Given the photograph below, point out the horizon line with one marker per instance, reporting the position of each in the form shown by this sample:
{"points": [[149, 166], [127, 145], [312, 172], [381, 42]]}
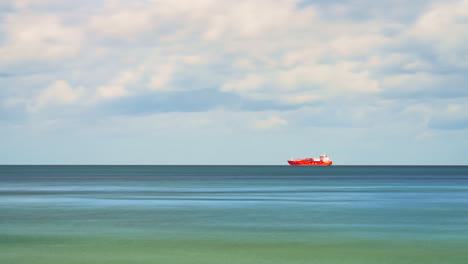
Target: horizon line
{"points": [[279, 165]]}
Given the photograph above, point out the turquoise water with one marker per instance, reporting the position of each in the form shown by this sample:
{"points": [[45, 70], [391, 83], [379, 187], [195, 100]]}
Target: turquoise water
{"points": [[233, 214]]}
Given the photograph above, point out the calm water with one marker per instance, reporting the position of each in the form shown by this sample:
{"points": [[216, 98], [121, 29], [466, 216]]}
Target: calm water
{"points": [[233, 214]]}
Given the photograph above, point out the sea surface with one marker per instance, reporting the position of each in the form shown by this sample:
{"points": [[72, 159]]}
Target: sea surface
{"points": [[233, 214]]}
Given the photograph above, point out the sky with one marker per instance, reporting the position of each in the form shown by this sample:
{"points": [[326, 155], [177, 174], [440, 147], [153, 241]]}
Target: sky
{"points": [[233, 81]]}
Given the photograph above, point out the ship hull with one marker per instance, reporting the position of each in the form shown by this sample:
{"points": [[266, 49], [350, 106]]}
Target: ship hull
{"points": [[308, 163]]}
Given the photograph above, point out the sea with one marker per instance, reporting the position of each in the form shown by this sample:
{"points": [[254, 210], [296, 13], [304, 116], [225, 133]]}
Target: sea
{"points": [[233, 214]]}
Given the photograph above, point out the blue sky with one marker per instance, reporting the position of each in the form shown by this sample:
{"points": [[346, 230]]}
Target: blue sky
{"points": [[233, 82]]}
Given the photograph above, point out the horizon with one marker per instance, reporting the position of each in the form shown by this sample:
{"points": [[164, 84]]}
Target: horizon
{"points": [[233, 82], [237, 165]]}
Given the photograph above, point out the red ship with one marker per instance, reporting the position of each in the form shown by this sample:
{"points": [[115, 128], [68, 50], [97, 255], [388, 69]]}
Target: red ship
{"points": [[322, 161]]}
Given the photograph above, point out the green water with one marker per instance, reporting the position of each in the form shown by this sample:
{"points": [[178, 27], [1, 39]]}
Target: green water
{"points": [[233, 214]]}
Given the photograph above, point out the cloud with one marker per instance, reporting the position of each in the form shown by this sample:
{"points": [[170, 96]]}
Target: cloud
{"points": [[120, 21], [117, 87], [251, 82], [445, 28], [39, 37], [162, 77], [270, 123], [452, 116], [444, 19], [304, 83], [244, 64], [325, 76], [59, 92], [31, 4], [180, 56], [111, 91]]}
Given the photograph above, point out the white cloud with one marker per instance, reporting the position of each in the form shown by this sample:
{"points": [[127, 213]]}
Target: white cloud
{"points": [[300, 98], [352, 45], [212, 20], [244, 64], [117, 87], [270, 123], [191, 59], [403, 61], [111, 92], [421, 84], [59, 92], [25, 4], [247, 19], [127, 77], [251, 82], [304, 83], [444, 19], [445, 27], [162, 77], [297, 56], [123, 22], [40, 37], [336, 78]]}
